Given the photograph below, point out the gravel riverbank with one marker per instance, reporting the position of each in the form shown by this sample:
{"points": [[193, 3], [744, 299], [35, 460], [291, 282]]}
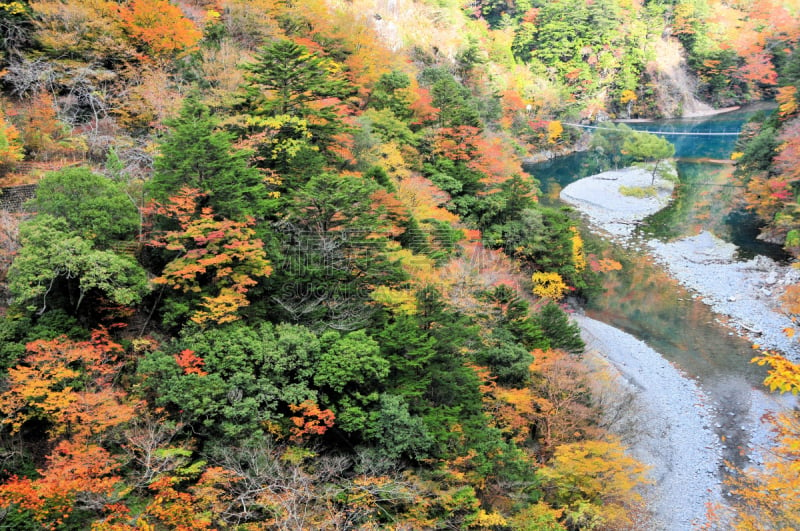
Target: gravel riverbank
{"points": [[747, 293], [685, 433], [608, 209], [675, 435]]}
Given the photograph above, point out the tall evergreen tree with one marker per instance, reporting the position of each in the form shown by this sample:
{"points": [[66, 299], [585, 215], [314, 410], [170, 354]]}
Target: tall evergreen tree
{"points": [[409, 350], [455, 103], [334, 252], [287, 82], [286, 78], [561, 332], [392, 92], [195, 153], [513, 314]]}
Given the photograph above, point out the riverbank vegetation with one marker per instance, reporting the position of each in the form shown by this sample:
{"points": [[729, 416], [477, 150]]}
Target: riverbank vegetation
{"points": [[766, 164], [283, 268]]}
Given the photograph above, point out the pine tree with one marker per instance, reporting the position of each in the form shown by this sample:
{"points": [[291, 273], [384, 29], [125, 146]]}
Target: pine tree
{"points": [[514, 316], [557, 327], [647, 147], [392, 92], [287, 80], [292, 77], [335, 252], [409, 350], [196, 154]]}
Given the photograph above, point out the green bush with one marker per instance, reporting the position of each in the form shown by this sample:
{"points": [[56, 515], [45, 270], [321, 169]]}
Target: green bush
{"points": [[639, 192]]}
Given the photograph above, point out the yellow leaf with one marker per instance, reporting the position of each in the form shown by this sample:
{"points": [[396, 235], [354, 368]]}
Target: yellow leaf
{"points": [[548, 285]]}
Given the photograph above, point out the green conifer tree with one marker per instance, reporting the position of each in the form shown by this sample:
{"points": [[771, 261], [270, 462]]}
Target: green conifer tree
{"points": [[195, 153], [559, 330], [288, 81]]}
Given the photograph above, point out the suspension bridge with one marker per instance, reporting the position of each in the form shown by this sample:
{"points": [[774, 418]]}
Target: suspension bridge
{"points": [[678, 133]]}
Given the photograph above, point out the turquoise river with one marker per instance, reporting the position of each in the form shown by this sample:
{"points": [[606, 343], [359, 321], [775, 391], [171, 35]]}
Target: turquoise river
{"points": [[642, 299]]}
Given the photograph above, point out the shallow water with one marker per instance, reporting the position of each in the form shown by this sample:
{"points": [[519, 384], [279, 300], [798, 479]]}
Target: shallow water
{"points": [[643, 300]]}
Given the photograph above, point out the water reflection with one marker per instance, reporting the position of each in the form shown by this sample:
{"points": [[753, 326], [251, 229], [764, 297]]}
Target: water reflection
{"points": [[643, 300], [707, 200]]}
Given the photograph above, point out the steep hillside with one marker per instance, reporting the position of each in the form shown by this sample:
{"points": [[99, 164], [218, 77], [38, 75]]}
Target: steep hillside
{"points": [[283, 268]]}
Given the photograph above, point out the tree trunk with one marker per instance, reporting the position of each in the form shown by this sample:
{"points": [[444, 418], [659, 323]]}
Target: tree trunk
{"points": [[653, 176]]}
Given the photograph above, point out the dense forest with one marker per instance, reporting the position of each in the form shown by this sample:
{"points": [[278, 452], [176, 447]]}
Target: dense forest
{"points": [[283, 269]]}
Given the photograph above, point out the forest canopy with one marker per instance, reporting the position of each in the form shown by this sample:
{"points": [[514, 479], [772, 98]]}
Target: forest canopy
{"points": [[283, 268]]}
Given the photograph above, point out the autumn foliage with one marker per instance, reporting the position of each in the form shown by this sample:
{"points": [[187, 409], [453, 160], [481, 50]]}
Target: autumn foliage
{"points": [[68, 386], [309, 420], [225, 251], [190, 363], [353, 324], [10, 145], [767, 498], [159, 26], [596, 482], [549, 285]]}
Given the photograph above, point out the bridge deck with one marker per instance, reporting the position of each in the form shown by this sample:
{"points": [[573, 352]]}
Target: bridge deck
{"points": [[684, 133]]}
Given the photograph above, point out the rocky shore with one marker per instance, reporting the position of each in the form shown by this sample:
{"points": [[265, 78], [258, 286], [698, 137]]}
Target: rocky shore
{"points": [[676, 437], [746, 293], [682, 429], [608, 209]]}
